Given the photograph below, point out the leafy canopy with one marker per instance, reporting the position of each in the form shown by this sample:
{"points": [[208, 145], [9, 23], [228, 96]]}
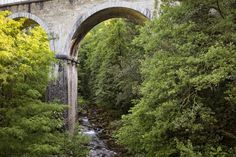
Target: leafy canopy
{"points": [[109, 65], [29, 127], [188, 103]]}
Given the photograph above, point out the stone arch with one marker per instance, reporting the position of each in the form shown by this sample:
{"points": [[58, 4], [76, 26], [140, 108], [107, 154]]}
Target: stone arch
{"points": [[85, 22], [37, 20]]}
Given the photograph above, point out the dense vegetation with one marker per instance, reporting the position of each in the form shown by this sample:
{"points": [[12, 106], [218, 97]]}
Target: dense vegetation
{"points": [[174, 78], [187, 59], [109, 65], [29, 126], [188, 103]]}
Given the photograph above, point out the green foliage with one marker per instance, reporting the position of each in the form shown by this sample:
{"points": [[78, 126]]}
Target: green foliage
{"points": [[188, 100], [29, 127], [109, 69]]}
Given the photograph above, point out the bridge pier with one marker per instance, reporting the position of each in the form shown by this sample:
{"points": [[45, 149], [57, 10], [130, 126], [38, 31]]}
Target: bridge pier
{"points": [[72, 95], [57, 88], [63, 89]]}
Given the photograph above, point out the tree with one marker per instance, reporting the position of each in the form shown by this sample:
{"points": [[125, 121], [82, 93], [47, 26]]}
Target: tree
{"points": [[188, 94], [110, 63], [29, 126]]}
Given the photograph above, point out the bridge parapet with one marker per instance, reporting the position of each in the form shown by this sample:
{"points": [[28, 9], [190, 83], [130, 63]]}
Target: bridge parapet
{"points": [[4, 3], [12, 1]]}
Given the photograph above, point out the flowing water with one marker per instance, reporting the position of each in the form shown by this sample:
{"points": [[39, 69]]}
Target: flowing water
{"points": [[98, 147]]}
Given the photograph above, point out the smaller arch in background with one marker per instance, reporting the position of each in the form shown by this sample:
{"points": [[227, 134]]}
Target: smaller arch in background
{"points": [[35, 19]]}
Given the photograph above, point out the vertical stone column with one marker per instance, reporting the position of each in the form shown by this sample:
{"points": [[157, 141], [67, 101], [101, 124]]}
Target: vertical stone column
{"points": [[72, 78], [58, 88], [63, 89]]}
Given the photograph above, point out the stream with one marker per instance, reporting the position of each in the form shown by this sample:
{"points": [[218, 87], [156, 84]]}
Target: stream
{"points": [[98, 148]]}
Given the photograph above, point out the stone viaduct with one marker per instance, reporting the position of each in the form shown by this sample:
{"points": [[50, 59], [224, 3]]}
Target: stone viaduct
{"points": [[66, 23]]}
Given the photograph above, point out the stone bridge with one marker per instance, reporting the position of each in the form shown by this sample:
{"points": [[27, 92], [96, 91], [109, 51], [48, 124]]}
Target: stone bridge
{"points": [[66, 23]]}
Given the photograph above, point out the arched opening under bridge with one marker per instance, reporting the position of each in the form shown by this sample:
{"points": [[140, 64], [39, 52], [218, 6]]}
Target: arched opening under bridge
{"points": [[32, 20], [81, 27]]}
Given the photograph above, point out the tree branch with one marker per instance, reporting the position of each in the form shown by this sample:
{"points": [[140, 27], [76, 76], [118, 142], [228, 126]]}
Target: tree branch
{"points": [[218, 6], [228, 134]]}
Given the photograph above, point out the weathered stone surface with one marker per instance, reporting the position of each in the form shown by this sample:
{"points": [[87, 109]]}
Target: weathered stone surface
{"points": [[58, 88], [66, 23]]}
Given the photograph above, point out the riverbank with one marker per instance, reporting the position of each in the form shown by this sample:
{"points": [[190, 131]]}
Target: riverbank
{"points": [[102, 122]]}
